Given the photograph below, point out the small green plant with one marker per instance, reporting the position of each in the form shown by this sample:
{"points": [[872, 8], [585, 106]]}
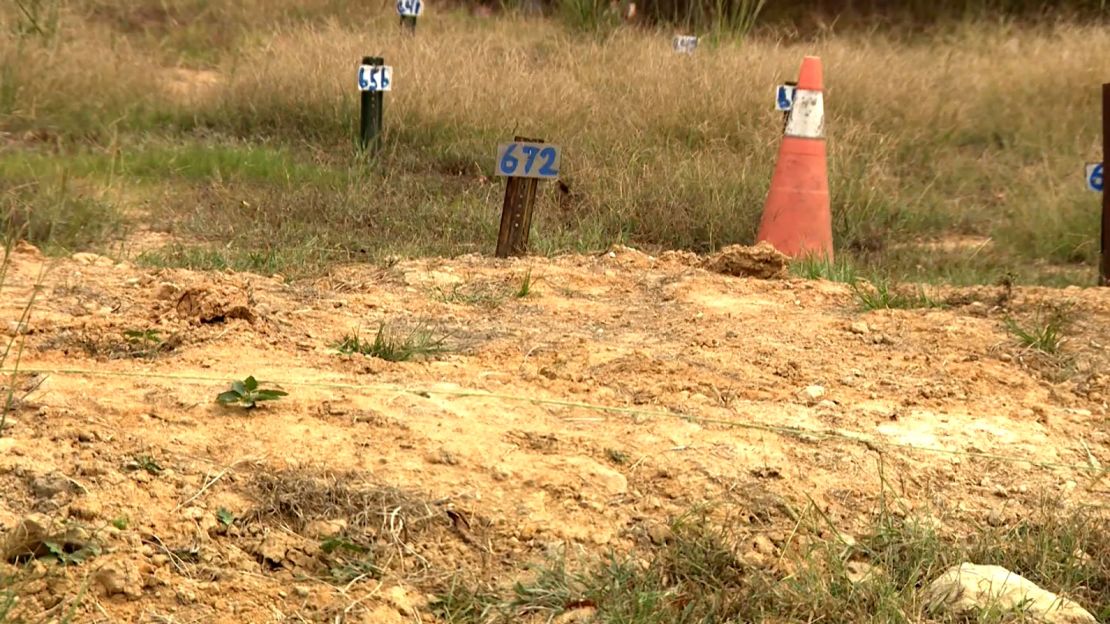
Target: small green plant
{"points": [[225, 517], [248, 394], [120, 522], [144, 462], [815, 268], [67, 554], [348, 560], [143, 343], [616, 456], [387, 345], [526, 284], [1046, 330], [478, 295], [882, 295]]}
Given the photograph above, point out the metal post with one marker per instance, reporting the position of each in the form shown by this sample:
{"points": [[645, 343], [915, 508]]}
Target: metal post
{"points": [[410, 21], [516, 213], [1104, 262], [370, 118]]}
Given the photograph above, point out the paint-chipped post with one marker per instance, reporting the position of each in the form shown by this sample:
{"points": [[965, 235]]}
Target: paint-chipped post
{"points": [[409, 10], [1104, 248], [374, 79], [524, 162]]}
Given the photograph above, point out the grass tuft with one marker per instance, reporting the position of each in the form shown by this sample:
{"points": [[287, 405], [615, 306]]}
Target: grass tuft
{"points": [[881, 294], [394, 346], [1045, 332]]}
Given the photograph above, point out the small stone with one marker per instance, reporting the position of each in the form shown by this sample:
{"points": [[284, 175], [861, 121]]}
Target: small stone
{"points": [[301, 591], [120, 577], [192, 513], [859, 572], [660, 534], [995, 518], [580, 615], [762, 544], [810, 395], [399, 598], [860, 328], [49, 485], [85, 509], [827, 404]]}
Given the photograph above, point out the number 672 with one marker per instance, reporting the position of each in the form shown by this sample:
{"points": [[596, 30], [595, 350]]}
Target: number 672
{"points": [[529, 160]]}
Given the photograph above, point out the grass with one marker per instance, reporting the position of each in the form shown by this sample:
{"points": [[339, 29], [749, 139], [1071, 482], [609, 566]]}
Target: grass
{"points": [[704, 573], [255, 169], [881, 294], [393, 345], [1045, 331]]}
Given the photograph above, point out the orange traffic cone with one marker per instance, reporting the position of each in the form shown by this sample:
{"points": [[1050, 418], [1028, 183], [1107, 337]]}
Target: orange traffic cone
{"points": [[796, 218]]}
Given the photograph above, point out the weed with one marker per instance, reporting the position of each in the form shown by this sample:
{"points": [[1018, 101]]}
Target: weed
{"points": [[393, 347], [1045, 331], [839, 270], [247, 394], [617, 456], [882, 295], [225, 517], [120, 522], [145, 463], [480, 295], [348, 560], [526, 284]]}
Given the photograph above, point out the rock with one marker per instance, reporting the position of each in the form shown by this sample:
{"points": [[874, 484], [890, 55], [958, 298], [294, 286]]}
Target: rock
{"points": [[859, 572], [399, 598], [383, 614], [322, 529], [120, 577], [762, 261], [273, 548], [762, 544], [660, 534], [87, 509], [811, 395], [48, 486], [581, 615], [860, 328], [91, 259], [28, 537], [203, 306], [301, 591], [969, 590]]}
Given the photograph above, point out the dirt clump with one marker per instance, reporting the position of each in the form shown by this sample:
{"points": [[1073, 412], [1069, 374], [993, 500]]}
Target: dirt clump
{"points": [[761, 261]]}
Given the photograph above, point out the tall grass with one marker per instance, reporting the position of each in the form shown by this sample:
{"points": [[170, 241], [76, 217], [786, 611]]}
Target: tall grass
{"points": [[980, 129]]}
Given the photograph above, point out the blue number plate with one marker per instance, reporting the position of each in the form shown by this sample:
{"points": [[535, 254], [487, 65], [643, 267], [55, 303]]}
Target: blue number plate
{"points": [[528, 160], [685, 44], [784, 97], [410, 8], [1095, 177], [375, 78]]}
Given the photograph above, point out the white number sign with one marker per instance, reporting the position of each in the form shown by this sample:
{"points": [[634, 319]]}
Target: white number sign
{"points": [[528, 160], [410, 8], [1095, 177], [375, 78], [685, 44]]}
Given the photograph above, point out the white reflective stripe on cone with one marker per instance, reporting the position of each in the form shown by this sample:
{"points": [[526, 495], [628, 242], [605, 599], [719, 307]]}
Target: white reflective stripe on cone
{"points": [[807, 118]]}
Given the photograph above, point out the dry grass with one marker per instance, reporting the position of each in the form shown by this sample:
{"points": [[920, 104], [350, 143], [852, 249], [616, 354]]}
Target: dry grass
{"points": [[979, 129]]}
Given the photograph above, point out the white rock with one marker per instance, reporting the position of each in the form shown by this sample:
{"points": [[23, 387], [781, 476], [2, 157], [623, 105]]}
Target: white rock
{"points": [[860, 328], [811, 395], [969, 589]]}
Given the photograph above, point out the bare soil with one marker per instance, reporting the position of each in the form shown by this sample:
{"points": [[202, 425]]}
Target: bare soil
{"points": [[623, 390]]}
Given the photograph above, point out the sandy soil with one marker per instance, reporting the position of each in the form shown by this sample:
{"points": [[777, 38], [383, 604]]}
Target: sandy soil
{"points": [[623, 390]]}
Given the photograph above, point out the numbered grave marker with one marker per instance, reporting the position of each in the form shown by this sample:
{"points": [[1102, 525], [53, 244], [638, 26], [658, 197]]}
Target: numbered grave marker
{"points": [[375, 78], [685, 44], [784, 97], [410, 8], [1095, 178], [528, 160]]}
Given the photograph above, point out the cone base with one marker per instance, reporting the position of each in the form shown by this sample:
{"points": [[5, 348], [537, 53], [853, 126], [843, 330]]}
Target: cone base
{"points": [[797, 219]]}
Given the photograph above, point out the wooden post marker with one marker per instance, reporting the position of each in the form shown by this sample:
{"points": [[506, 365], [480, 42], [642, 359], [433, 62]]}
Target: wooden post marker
{"points": [[374, 79], [524, 162], [409, 10], [1104, 248]]}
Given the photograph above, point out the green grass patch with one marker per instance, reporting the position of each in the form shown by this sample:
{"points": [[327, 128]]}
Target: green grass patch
{"points": [[1045, 331], [57, 217], [702, 571], [395, 345], [841, 269], [881, 294]]}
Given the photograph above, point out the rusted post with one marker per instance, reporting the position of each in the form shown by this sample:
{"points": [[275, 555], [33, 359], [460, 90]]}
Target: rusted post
{"points": [[516, 213]]}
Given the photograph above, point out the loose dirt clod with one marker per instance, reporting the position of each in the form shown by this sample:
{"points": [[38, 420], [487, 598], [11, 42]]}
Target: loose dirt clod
{"points": [[762, 261], [969, 590]]}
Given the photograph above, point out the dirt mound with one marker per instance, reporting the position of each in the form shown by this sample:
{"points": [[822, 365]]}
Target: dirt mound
{"points": [[762, 261], [619, 391]]}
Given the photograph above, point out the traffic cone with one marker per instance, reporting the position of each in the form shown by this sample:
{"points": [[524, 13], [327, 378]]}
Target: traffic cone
{"points": [[796, 218]]}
